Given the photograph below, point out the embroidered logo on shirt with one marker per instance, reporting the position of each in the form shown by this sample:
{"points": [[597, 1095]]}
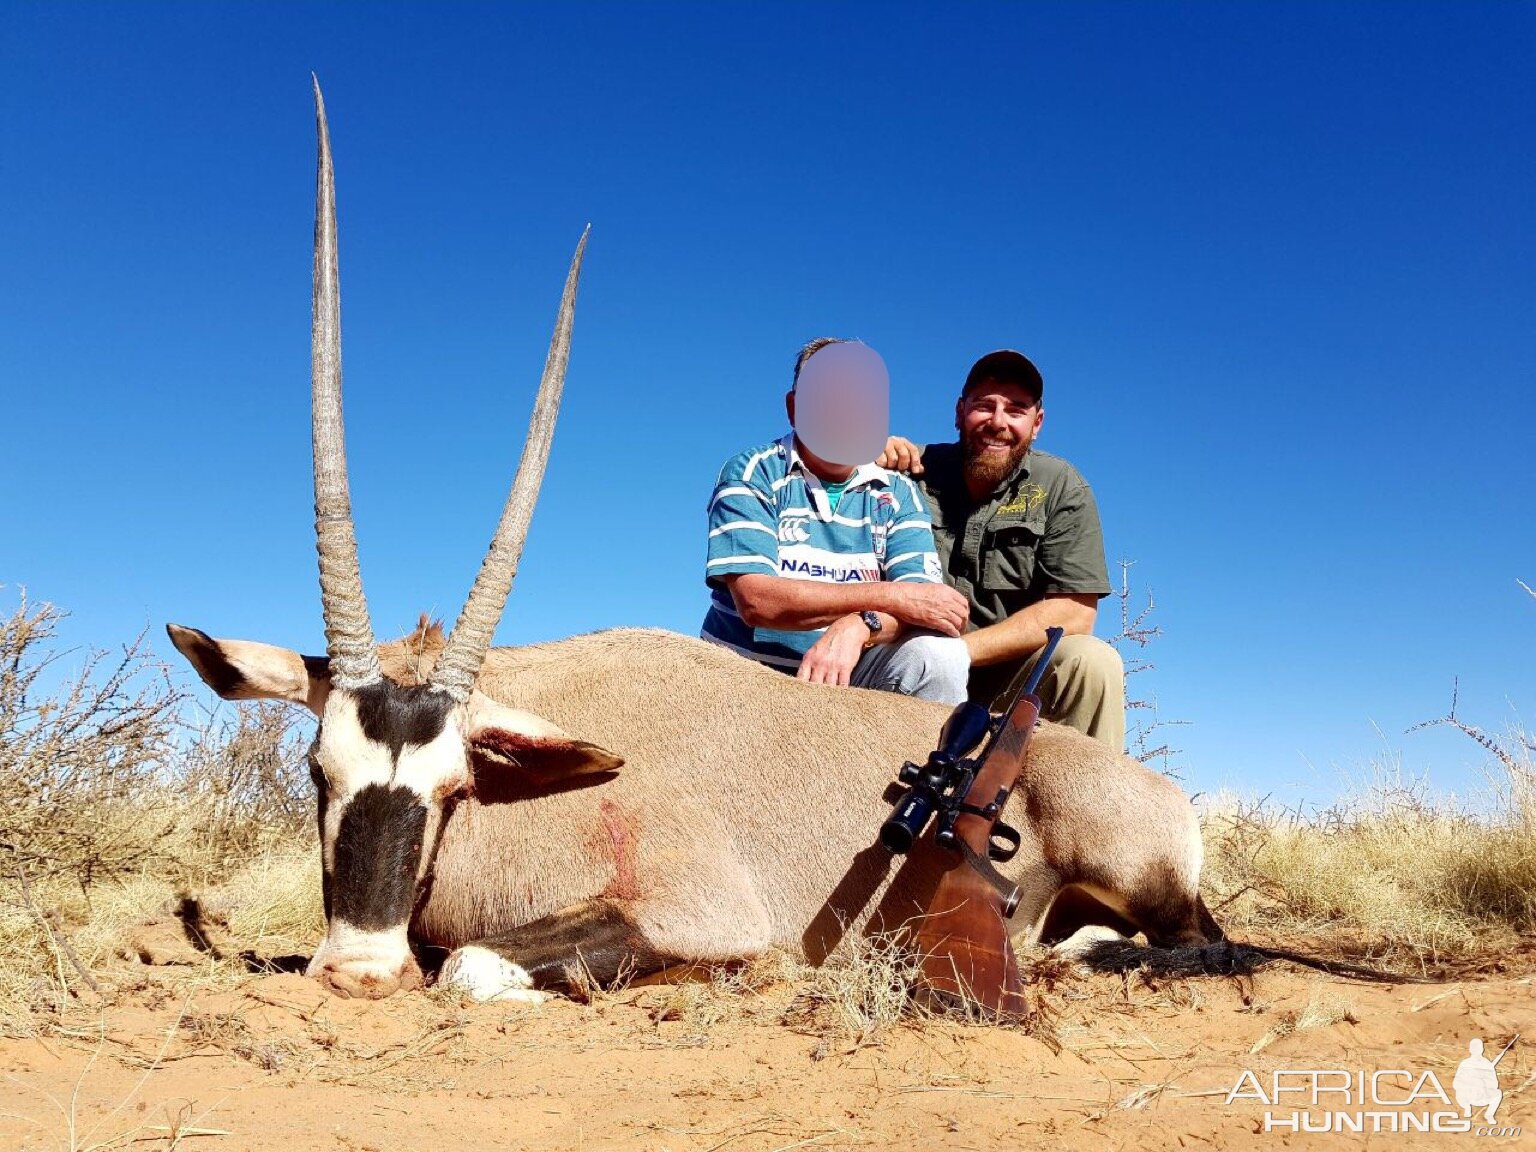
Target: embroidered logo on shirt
{"points": [[793, 530], [1030, 497]]}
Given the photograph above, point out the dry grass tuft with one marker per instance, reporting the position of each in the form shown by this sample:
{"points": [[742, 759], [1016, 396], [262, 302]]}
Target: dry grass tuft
{"points": [[1322, 1009], [848, 1003], [1395, 869], [773, 988], [112, 804], [273, 904], [1397, 872], [874, 988]]}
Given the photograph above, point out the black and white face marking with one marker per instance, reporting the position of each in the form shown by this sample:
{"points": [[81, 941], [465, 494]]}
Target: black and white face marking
{"points": [[384, 759], [394, 716], [322, 801], [375, 859]]}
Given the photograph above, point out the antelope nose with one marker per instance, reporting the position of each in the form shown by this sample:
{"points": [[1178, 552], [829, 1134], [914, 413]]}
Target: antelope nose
{"points": [[368, 982]]}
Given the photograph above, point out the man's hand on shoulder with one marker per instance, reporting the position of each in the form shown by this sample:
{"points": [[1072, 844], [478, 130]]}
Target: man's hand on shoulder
{"points": [[934, 607], [832, 658], [901, 455]]}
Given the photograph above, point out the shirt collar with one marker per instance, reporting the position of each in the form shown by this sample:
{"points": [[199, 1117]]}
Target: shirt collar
{"points": [[863, 474]]}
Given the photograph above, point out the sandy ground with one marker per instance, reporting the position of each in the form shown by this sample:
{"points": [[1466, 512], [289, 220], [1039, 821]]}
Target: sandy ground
{"points": [[180, 1059]]}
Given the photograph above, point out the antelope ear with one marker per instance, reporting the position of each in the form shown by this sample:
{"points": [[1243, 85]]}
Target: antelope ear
{"points": [[502, 738], [244, 670]]}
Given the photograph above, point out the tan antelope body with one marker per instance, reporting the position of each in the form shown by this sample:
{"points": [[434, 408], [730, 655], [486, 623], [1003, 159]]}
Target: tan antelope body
{"points": [[744, 817], [625, 801], [747, 809]]}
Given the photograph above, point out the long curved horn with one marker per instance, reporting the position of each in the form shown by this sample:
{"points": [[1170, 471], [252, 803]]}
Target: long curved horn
{"points": [[348, 632], [460, 662]]}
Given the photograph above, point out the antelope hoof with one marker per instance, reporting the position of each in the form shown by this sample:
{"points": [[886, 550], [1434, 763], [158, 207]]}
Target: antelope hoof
{"points": [[484, 977]]}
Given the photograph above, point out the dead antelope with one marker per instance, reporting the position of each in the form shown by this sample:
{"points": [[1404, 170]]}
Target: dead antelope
{"points": [[469, 802]]}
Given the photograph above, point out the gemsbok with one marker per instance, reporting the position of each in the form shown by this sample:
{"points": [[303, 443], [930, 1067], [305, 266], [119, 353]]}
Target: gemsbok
{"points": [[626, 801]]}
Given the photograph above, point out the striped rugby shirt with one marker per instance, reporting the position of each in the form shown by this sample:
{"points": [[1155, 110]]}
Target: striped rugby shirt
{"points": [[771, 514]]}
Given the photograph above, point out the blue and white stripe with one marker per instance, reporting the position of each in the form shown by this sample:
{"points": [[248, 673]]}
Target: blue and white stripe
{"points": [[770, 514]]}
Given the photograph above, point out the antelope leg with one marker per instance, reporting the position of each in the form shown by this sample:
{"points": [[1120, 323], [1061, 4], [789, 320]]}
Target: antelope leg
{"points": [[595, 942]]}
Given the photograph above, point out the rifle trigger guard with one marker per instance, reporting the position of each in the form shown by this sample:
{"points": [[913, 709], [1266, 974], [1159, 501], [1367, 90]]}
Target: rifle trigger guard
{"points": [[1010, 841]]}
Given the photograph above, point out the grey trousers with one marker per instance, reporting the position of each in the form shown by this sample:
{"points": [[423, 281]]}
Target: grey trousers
{"points": [[924, 664]]}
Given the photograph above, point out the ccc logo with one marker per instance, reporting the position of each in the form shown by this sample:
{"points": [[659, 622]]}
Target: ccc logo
{"points": [[793, 531]]}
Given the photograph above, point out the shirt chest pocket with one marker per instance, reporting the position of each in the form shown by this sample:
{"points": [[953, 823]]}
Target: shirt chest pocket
{"points": [[1009, 552]]}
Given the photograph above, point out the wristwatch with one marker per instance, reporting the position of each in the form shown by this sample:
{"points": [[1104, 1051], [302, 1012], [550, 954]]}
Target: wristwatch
{"points": [[872, 622]]}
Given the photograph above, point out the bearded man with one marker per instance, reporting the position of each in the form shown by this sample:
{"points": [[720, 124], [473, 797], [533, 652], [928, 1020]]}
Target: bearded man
{"points": [[1017, 531]]}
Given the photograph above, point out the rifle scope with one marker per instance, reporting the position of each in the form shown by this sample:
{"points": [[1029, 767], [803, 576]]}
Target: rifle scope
{"points": [[928, 786]]}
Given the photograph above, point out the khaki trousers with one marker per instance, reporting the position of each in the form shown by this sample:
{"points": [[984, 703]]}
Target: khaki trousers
{"points": [[1084, 688]]}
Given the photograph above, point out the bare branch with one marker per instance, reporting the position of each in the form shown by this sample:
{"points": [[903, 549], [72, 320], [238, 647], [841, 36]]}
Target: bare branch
{"points": [[1522, 773], [1136, 629], [50, 922]]}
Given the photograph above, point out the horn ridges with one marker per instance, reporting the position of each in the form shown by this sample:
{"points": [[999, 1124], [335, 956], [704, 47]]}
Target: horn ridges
{"points": [[348, 630], [460, 662]]}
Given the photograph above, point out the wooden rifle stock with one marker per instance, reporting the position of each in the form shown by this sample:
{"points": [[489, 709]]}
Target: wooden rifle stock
{"points": [[963, 939]]}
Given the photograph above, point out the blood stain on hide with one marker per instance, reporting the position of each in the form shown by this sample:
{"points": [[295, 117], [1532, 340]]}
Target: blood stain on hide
{"points": [[621, 836]]}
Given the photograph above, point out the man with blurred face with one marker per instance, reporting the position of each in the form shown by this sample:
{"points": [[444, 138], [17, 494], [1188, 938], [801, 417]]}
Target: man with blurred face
{"points": [[821, 563], [1017, 532]]}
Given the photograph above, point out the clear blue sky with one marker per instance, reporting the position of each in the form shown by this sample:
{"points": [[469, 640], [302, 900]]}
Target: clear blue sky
{"points": [[1276, 261]]}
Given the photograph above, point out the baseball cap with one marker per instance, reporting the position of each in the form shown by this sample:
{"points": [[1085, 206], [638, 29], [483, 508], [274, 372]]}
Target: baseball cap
{"points": [[1009, 367]]}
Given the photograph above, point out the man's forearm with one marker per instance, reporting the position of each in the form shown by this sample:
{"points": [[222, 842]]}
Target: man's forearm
{"points": [[799, 605], [1023, 634]]}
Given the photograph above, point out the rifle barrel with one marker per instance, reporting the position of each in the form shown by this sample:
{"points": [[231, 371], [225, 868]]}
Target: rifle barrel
{"points": [[1506, 1048], [1037, 673]]}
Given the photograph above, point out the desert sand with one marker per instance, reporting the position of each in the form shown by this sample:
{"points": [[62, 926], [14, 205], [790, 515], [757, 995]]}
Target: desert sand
{"points": [[182, 1057]]}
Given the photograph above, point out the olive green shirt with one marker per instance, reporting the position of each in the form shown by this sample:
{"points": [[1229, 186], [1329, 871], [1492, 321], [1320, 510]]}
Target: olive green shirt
{"points": [[1037, 534]]}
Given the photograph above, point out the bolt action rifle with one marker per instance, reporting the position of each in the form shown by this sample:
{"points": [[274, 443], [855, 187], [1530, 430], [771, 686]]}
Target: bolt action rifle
{"points": [[963, 939]]}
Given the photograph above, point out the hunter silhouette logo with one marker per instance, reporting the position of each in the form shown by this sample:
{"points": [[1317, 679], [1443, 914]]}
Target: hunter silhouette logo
{"points": [[1477, 1080]]}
